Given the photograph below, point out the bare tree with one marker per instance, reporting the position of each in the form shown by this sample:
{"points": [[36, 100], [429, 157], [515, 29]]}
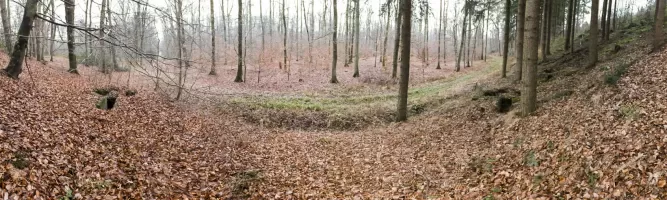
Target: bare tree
{"points": [[69, 18], [284, 36], [212, 21], [406, 10], [239, 70], [386, 33], [520, 19], [15, 66], [53, 30], [102, 55], [181, 46], [593, 37], [334, 42], [357, 38], [397, 40], [439, 34], [529, 93], [6, 25], [659, 36], [506, 36]]}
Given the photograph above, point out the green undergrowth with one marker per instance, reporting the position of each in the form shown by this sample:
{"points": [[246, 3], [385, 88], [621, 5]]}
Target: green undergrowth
{"points": [[347, 111]]}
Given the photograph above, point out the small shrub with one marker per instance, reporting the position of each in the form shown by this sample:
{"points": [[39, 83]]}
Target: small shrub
{"points": [[592, 177], [242, 182], [612, 77], [418, 108], [629, 112], [20, 161], [68, 194], [531, 160]]}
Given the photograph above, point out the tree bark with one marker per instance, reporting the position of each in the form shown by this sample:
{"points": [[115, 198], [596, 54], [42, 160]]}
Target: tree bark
{"points": [[521, 16], [593, 37], [506, 36], [463, 36], [212, 21], [114, 61], [102, 56], [397, 40], [570, 24], [386, 36], [608, 25], [181, 46], [239, 69], [53, 31], [439, 35], [69, 18], [406, 9], [6, 26], [529, 93], [284, 36], [15, 66], [357, 38], [334, 41], [659, 37], [604, 19], [545, 28]]}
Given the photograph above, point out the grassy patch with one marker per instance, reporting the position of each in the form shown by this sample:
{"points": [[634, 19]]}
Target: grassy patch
{"points": [[347, 111], [481, 165], [242, 182], [613, 76], [531, 160], [629, 111]]}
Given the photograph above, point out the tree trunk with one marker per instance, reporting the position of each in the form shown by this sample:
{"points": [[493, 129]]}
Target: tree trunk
{"points": [[69, 18], [550, 25], [406, 10], [506, 36], [284, 36], [608, 25], [574, 26], [439, 35], [529, 93], [15, 66], [570, 25], [239, 69], [53, 31], [86, 38], [181, 41], [309, 29], [39, 24], [463, 36], [334, 42], [426, 37], [520, 18], [397, 40], [102, 56], [444, 42], [659, 37], [347, 33], [114, 61], [357, 38], [593, 37], [6, 26], [545, 28], [212, 20], [604, 19], [386, 37]]}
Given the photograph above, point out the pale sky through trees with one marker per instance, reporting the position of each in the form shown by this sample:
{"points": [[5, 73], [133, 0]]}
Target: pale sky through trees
{"points": [[129, 6]]}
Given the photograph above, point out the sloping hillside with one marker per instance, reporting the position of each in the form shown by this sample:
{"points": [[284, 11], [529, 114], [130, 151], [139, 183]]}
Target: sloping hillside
{"points": [[593, 137]]}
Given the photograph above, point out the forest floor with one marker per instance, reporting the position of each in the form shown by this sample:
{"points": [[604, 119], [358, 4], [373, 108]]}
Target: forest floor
{"points": [[598, 133]]}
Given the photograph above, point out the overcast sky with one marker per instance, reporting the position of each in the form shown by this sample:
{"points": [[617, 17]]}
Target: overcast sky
{"points": [[369, 7]]}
